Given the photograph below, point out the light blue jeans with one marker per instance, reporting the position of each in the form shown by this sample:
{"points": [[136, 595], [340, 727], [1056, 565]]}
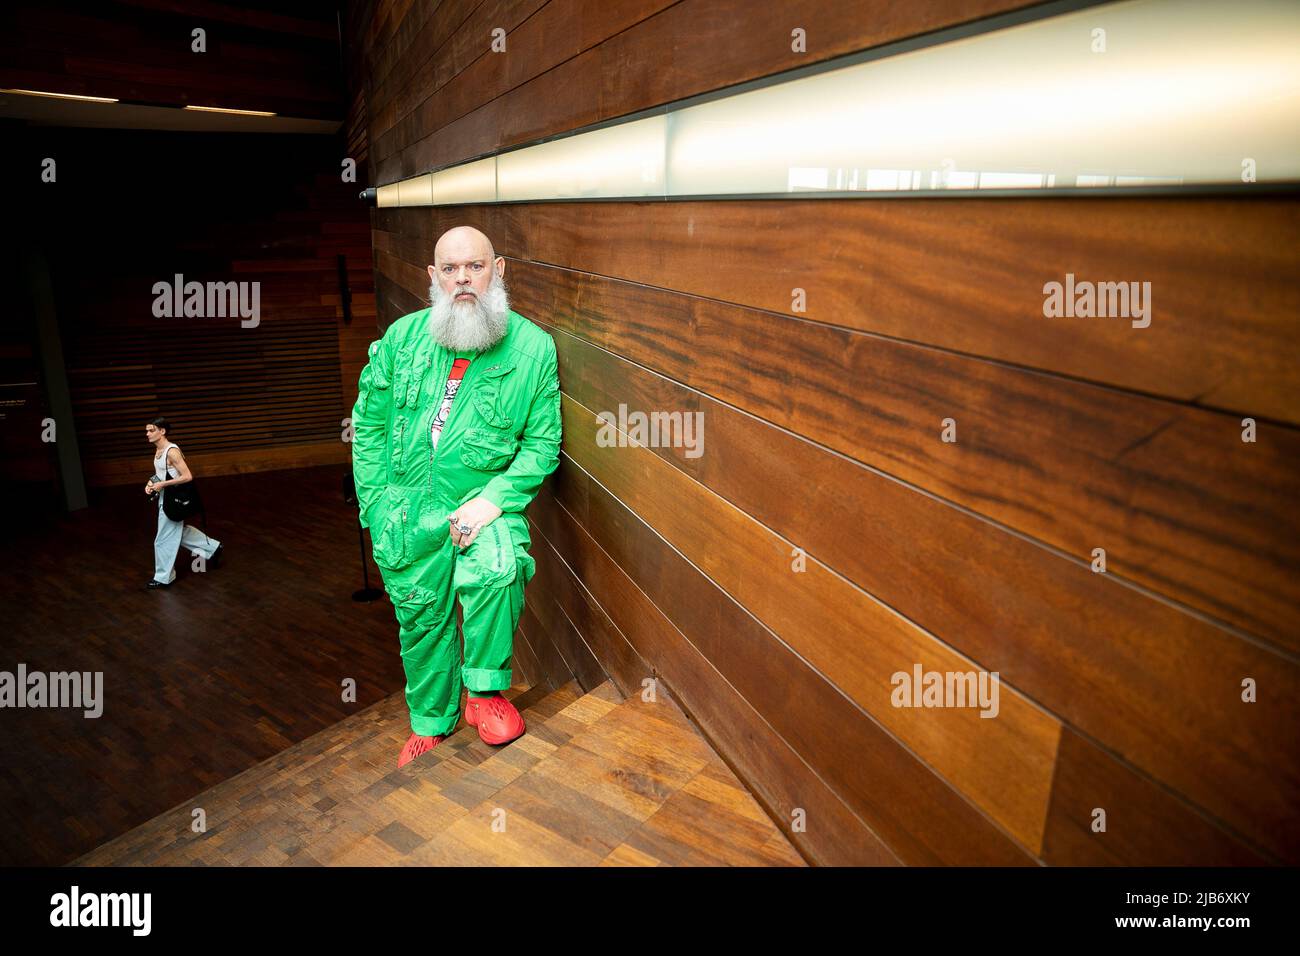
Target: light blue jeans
{"points": [[167, 543]]}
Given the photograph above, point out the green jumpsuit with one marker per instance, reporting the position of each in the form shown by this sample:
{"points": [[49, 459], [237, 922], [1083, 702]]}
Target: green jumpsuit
{"points": [[500, 441]]}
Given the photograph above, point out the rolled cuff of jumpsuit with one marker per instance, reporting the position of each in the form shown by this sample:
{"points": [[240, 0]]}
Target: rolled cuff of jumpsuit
{"points": [[433, 726], [481, 678]]}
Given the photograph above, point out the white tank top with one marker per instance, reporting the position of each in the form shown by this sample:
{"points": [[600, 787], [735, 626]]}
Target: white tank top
{"points": [[158, 465]]}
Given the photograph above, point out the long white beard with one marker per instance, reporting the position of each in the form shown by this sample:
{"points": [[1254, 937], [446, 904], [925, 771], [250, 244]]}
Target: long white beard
{"points": [[471, 326]]}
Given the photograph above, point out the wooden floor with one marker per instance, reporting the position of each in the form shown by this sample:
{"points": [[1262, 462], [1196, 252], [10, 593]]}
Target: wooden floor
{"points": [[596, 780], [202, 680]]}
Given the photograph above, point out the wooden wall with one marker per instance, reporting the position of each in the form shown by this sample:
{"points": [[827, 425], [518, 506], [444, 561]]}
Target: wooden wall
{"points": [[1120, 691]]}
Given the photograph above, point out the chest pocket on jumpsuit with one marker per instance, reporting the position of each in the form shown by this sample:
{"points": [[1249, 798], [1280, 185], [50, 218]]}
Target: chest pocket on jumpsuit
{"points": [[408, 376], [490, 444]]}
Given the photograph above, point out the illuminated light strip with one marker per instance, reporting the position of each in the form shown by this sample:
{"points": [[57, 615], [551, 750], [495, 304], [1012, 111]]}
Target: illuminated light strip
{"points": [[1121, 95], [415, 192], [468, 182], [222, 109], [64, 96]]}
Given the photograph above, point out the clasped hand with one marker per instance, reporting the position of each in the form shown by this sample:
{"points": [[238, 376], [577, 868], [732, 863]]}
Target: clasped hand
{"points": [[476, 513]]}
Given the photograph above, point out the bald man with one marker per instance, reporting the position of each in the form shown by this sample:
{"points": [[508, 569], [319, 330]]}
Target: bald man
{"points": [[457, 423]]}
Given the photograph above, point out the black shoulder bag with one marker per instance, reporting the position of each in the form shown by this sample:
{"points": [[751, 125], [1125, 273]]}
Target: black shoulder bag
{"points": [[181, 501]]}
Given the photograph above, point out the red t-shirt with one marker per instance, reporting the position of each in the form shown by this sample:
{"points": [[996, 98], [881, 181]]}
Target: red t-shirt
{"points": [[453, 385]]}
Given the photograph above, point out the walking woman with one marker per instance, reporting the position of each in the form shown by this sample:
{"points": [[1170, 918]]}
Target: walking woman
{"points": [[169, 468]]}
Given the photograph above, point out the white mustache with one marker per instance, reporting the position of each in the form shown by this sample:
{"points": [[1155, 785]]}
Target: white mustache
{"points": [[475, 325]]}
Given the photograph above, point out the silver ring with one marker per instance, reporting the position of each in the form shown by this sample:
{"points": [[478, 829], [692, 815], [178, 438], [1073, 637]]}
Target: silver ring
{"points": [[464, 528]]}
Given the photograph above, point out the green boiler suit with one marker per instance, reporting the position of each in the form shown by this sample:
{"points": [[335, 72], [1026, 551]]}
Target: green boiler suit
{"points": [[500, 441]]}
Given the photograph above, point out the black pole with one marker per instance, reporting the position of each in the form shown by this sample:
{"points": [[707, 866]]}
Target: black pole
{"points": [[345, 290], [367, 593]]}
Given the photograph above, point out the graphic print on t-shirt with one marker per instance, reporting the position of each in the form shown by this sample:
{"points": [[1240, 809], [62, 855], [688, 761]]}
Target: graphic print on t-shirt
{"points": [[453, 386]]}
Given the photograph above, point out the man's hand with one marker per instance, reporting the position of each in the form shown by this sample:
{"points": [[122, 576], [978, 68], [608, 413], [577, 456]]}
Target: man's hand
{"points": [[477, 513]]}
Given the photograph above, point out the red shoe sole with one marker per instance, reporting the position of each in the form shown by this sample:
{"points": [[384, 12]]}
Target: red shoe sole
{"points": [[503, 740]]}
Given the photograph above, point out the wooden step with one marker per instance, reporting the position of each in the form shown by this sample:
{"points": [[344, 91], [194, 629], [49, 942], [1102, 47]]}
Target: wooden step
{"points": [[457, 757], [595, 780]]}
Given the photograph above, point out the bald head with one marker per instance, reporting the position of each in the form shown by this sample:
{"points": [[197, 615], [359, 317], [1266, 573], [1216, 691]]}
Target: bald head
{"points": [[462, 242], [467, 292]]}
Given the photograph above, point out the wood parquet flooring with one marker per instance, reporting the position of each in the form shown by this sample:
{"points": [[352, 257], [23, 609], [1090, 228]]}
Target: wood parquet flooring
{"points": [[595, 781]]}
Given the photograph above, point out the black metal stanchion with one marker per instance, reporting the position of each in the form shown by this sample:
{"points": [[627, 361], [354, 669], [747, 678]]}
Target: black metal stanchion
{"points": [[366, 593]]}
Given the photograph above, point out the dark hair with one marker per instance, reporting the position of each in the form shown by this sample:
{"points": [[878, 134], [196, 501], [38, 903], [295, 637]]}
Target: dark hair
{"points": [[159, 422]]}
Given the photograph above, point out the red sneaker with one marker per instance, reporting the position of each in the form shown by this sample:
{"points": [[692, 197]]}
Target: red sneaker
{"points": [[495, 717], [416, 745]]}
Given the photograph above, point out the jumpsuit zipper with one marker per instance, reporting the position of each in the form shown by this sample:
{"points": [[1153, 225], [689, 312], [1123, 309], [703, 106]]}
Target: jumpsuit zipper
{"points": [[412, 594], [439, 377], [456, 405], [399, 466]]}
